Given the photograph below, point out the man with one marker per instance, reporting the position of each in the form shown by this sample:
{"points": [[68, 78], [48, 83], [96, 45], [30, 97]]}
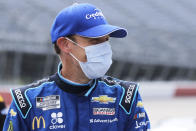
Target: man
{"points": [[79, 97]]}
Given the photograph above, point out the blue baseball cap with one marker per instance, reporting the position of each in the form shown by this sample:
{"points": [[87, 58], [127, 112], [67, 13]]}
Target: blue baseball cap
{"points": [[85, 20]]}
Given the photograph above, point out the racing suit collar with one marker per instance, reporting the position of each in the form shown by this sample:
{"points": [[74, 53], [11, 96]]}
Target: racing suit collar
{"points": [[69, 81], [71, 87]]}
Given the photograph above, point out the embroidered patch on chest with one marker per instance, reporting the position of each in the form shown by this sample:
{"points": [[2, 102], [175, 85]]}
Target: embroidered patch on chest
{"points": [[48, 102]]}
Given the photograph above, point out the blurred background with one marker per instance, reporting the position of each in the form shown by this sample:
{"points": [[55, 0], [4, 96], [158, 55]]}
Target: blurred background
{"points": [[159, 51]]}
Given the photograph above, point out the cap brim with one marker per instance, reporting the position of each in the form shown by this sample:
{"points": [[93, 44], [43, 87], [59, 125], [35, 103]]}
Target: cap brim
{"points": [[103, 30]]}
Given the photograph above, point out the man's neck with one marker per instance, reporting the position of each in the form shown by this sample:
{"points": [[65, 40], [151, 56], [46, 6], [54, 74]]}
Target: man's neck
{"points": [[74, 75]]}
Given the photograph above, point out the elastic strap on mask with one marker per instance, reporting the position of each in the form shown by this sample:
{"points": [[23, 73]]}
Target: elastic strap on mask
{"points": [[74, 57], [77, 45], [74, 42]]}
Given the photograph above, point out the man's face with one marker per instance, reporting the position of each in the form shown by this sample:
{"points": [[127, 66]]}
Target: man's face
{"points": [[79, 52]]}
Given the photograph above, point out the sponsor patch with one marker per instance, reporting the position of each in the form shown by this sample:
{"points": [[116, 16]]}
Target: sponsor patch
{"points": [[10, 128], [141, 124], [110, 81], [103, 99], [20, 100], [12, 112], [97, 15], [140, 104], [39, 121], [128, 96], [103, 120], [103, 111], [48, 102], [139, 115], [57, 121]]}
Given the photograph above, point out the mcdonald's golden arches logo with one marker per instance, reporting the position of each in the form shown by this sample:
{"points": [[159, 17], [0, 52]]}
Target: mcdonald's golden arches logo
{"points": [[38, 120]]}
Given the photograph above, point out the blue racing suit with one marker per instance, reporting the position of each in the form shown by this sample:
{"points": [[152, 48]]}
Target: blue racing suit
{"points": [[55, 103]]}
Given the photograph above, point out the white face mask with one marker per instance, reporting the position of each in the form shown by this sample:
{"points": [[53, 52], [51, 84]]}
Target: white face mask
{"points": [[99, 59]]}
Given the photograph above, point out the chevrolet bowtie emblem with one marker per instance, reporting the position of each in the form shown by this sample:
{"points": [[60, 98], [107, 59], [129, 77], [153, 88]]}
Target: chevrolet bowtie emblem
{"points": [[103, 99]]}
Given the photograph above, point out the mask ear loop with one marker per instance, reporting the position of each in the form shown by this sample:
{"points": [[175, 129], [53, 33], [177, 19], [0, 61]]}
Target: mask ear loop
{"points": [[77, 45], [74, 57], [74, 42]]}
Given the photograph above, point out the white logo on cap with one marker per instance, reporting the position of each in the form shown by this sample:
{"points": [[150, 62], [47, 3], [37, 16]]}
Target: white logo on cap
{"points": [[95, 15]]}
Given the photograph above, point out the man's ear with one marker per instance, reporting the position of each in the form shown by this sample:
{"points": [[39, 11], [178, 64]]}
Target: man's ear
{"points": [[64, 44]]}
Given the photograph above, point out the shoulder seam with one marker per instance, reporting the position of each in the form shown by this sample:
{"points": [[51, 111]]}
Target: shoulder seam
{"points": [[128, 96], [21, 99]]}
